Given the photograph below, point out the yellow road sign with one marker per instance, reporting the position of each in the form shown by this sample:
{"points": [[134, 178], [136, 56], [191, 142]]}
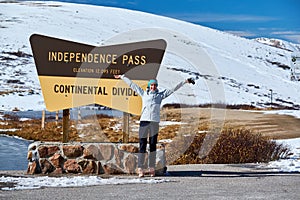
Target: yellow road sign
{"points": [[73, 74]]}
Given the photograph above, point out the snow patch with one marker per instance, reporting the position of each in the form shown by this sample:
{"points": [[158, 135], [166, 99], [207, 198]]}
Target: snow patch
{"points": [[22, 183]]}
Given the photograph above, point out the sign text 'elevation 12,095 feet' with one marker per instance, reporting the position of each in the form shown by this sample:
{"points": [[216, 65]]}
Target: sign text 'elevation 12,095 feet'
{"points": [[73, 74]]}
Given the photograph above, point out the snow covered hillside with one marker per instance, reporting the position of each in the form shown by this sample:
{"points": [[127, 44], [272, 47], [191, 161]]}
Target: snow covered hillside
{"points": [[230, 69], [279, 44]]}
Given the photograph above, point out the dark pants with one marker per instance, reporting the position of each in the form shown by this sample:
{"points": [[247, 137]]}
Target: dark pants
{"points": [[147, 129]]}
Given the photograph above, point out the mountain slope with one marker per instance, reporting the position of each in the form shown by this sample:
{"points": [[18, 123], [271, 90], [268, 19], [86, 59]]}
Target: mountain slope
{"points": [[230, 69], [279, 44]]}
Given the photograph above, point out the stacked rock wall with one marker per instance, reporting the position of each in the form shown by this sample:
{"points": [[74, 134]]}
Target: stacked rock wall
{"points": [[88, 158]]}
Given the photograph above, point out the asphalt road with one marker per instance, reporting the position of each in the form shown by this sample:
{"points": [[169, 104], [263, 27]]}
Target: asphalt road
{"points": [[185, 182]]}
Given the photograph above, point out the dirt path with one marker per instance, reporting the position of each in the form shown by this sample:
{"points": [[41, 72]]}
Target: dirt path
{"points": [[273, 125]]}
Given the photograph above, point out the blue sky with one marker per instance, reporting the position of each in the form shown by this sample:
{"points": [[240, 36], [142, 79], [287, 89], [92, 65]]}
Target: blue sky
{"points": [[247, 18]]}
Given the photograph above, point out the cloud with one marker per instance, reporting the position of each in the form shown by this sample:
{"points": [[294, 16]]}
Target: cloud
{"points": [[132, 3], [211, 17], [285, 32], [289, 35], [295, 38], [241, 33]]}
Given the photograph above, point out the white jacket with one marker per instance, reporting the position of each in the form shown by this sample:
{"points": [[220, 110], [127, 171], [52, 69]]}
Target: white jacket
{"points": [[151, 100]]}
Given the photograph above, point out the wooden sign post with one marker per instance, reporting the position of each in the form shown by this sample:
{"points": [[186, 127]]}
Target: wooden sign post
{"points": [[66, 121], [126, 117]]}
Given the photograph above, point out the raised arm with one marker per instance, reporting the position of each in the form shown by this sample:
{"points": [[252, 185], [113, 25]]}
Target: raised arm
{"points": [[131, 84], [169, 92]]}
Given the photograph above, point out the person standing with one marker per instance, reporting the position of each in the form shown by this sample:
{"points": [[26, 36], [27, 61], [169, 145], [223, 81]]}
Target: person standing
{"points": [[150, 118]]}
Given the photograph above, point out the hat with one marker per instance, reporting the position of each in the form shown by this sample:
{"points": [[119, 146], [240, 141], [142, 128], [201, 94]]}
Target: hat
{"points": [[152, 81]]}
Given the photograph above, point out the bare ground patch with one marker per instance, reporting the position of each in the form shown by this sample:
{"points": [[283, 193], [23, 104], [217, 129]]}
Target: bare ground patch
{"points": [[193, 120]]}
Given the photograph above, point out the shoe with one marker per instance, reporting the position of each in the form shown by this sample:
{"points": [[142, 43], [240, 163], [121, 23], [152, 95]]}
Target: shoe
{"points": [[141, 172], [152, 172]]}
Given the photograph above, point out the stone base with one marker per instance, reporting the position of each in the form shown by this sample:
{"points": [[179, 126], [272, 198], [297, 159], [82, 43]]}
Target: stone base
{"points": [[88, 158]]}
